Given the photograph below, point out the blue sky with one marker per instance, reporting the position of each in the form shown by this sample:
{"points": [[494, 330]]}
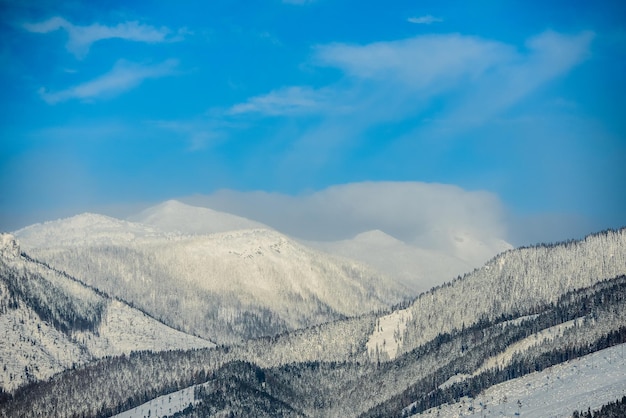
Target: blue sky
{"points": [[114, 105]]}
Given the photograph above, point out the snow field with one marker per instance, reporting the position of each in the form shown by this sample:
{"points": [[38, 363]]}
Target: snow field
{"points": [[588, 382], [387, 336]]}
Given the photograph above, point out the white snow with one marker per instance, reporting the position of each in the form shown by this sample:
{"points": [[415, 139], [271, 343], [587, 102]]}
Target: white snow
{"points": [[9, 248], [503, 359], [388, 334], [125, 329], [163, 405], [85, 229], [588, 382]]}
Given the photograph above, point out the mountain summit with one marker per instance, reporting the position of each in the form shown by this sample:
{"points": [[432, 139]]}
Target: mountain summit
{"points": [[175, 216]]}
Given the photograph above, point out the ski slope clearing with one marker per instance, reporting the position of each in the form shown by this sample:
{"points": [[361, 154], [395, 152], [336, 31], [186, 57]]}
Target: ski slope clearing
{"points": [[162, 406], [588, 382], [386, 339]]}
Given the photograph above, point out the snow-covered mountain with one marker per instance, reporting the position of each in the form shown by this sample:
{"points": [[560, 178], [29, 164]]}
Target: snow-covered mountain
{"points": [[226, 286], [514, 283], [174, 216], [436, 256], [86, 229], [524, 311], [50, 322]]}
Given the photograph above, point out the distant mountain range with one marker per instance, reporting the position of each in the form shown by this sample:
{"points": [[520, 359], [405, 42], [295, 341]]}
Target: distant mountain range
{"points": [[300, 332], [224, 286]]}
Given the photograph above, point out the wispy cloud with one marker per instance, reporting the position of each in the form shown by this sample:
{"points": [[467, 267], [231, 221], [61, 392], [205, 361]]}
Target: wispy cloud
{"points": [[547, 56], [124, 76], [425, 20], [417, 61], [80, 38], [433, 84], [288, 101]]}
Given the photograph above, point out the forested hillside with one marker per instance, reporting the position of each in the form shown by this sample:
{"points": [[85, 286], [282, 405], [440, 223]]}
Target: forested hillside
{"points": [[515, 283], [50, 322]]}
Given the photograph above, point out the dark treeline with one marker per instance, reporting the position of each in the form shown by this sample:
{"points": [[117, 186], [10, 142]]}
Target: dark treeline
{"points": [[615, 409]]}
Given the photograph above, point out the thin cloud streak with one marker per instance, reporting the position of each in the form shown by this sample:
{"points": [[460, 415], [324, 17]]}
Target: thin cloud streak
{"points": [[549, 55], [288, 101], [80, 38], [124, 76], [424, 20]]}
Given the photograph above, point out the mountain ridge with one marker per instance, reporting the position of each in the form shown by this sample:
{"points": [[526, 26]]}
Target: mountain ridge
{"points": [[224, 286]]}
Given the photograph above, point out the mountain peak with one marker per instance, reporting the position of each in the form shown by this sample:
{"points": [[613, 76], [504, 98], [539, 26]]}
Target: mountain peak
{"points": [[376, 236], [175, 216]]}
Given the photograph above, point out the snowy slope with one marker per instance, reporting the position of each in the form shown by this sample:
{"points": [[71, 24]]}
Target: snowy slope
{"points": [[588, 382], [174, 216], [225, 286], [85, 229], [34, 347], [438, 256]]}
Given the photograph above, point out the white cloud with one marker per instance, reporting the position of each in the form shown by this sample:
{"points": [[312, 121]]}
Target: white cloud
{"points": [[424, 20], [411, 211], [417, 62], [287, 101], [80, 38], [472, 80], [548, 56], [124, 76]]}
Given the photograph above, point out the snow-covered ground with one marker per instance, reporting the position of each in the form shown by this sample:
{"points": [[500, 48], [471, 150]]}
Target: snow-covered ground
{"points": [[387, 336], [504, 359], [162, 406], [588, 382]]}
